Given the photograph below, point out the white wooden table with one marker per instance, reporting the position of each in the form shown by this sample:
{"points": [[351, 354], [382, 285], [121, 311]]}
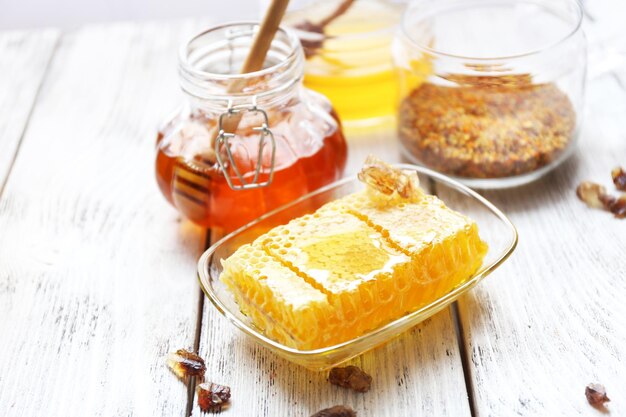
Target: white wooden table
{"points": [[97, 272]]}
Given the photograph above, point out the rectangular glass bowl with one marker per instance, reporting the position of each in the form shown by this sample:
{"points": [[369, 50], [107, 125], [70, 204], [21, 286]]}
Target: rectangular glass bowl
{"points": [[494, 228]]}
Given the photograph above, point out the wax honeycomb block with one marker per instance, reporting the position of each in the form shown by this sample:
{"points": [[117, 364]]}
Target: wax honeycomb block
{"points": [[354, 265], [444, 245], [279, 302], [363, 276]]}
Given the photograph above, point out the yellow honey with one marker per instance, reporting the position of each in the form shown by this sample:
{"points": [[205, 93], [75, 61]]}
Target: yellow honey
{"points": [[439, 240], [354, 66], [352, 266]]}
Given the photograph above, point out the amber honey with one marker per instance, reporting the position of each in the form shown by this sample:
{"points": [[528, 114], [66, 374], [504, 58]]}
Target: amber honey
{"points": [[227, 157], [201, 193]]}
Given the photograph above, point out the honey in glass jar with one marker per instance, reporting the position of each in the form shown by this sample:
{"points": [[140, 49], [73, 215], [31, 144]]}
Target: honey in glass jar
{"points": [[227, 158], [349, 55]]}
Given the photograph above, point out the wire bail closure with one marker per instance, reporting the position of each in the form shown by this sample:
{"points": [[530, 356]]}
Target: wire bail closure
{"points": [[222, 142]]}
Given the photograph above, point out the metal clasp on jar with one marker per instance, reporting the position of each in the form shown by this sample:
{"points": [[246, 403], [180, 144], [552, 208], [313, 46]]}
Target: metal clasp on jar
{"points": [[222, 143]]}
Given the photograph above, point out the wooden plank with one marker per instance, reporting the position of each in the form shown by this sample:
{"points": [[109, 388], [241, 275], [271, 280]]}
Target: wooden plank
{"points": [[25, 57], [97, 273], [551, 320], [420, 373]]}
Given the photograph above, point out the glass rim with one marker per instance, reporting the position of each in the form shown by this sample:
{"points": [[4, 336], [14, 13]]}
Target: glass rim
{"points": [[576, 27], [188, 67]]}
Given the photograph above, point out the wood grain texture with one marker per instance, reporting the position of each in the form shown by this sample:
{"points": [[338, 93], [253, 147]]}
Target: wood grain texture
{"points": [[97, 273], [419, 373], [551, 320], [23, 63]]}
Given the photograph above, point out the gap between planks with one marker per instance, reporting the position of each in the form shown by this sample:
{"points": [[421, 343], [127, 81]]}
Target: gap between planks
{"points": [[42, 81], [212, 235], [460, 336]]}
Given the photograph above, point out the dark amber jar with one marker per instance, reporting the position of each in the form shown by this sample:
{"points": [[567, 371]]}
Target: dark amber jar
{"points": [[286, 142]]}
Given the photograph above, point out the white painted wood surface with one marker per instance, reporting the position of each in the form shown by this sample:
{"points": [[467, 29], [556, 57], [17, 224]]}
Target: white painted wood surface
{"points": [[417, 374], [552, 319], [24, 58], [96, 271]]}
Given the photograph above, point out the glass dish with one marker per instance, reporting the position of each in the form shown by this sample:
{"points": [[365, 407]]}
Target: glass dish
{"points": [[495, 228], [500, 101]]}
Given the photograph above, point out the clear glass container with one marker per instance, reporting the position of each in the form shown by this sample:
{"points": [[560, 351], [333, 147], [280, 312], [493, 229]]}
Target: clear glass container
{"points": [[494, 228], [228, 157], [350, 60], [491, 91]]}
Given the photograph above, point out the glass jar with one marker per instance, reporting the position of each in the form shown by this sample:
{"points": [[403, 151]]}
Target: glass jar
{"points": [[349, 61], [491, 91], [228, 157]]}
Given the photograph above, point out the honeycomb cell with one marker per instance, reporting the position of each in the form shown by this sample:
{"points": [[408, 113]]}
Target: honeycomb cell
{"points": [[275, 298], [352, 266]]}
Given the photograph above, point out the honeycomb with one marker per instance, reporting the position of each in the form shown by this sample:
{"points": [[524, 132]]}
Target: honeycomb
{"points": [[352, 266], [436, 236], [362, 275], [279, 303]]}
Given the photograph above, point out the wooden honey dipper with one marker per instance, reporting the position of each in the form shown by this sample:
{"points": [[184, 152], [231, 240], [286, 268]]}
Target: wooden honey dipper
{"points": [[192, 181]]}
